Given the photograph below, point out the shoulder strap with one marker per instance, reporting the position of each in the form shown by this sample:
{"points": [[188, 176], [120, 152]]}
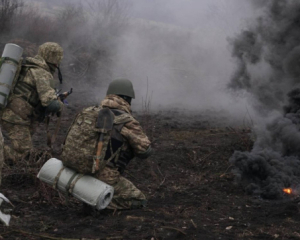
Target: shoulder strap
{"points": [[8, 59], [24, 69], [21, 87], [121, 117]]}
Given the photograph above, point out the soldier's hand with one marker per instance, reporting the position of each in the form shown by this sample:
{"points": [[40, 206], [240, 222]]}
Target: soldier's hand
{"points": [[62, 96]]}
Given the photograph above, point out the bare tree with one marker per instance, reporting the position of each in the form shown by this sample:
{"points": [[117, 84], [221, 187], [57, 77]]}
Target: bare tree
{"points": [[8, 11], [109, 18], [91, 30], [72, 16]]}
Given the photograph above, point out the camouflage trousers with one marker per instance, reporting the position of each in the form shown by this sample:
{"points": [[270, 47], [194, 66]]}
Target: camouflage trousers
{"points": [[126, 195], [1, 155], [20, 138]]}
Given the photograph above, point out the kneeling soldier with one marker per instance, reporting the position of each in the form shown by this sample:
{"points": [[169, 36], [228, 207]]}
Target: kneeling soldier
{"points": [[125, 141]]}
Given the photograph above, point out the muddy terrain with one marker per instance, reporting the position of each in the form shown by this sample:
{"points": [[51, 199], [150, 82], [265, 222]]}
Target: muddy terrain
{"points": [[191, 190]]}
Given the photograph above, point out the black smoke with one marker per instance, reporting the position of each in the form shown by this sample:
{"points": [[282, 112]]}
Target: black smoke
{"points": [[273, 163], [268, 63], [267, 54]]}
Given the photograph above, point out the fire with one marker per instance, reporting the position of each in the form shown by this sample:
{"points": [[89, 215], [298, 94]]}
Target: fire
{"points": [[287, 190]]}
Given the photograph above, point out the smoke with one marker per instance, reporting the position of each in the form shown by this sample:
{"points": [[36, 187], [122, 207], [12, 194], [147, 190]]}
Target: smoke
{"points": [[178, 54], [267, 56], [273, 163], [259, 3]]}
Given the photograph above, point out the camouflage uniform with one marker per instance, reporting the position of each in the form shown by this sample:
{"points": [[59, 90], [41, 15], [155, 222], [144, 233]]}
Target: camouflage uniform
{"points": [[126, 195], [32, 92]]}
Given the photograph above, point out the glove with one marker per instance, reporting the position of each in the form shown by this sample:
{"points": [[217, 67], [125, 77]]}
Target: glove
{"points": [[55, 106]]}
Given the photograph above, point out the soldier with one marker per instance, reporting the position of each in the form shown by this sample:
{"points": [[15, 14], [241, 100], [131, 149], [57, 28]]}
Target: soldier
{"points": [[135, 143], [34, 91], [127, 140]]}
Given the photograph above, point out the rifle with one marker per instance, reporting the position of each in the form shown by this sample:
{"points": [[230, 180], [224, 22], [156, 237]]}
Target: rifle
{"points": [[42, 111], [64, 95]]}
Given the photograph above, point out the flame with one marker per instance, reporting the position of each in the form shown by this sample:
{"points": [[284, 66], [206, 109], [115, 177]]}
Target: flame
{"points": [[287, 190]]}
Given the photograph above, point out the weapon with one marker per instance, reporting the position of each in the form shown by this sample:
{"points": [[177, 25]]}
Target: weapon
{"points": [[41, 111], [105, 122], [64, 95]]}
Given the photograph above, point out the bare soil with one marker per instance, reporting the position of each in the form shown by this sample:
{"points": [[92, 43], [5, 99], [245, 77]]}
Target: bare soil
{"points": [[191, 191]]}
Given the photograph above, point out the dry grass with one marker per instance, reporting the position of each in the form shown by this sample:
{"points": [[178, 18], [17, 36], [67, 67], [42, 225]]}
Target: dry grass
{"points": [[25, 170]]}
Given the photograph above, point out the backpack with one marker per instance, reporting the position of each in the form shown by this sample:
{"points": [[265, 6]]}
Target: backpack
{"points": [[22, 69], [10, 66], [81, 141]]}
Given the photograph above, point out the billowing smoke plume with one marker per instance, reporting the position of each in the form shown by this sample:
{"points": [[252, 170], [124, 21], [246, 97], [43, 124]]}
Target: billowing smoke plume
{"points": [[267, 54], [273, 163], [180, 51], [268, 68]]}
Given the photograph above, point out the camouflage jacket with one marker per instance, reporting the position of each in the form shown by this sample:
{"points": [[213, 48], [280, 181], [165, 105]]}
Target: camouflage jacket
{"points": [[36, 88], [132, 132]]}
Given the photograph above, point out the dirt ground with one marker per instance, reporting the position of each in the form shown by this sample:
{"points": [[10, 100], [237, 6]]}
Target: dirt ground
{"points": [[191, 191]]}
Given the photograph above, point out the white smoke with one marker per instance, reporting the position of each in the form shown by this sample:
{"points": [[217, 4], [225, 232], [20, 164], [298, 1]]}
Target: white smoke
{"points": [[176, 52], [182, 49]]}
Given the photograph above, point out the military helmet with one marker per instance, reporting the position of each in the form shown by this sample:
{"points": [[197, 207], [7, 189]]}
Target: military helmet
{"points": [[121, 87], [51, 52]]}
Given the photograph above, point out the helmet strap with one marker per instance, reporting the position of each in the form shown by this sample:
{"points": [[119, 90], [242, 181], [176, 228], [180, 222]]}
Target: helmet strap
{"points": [[59, 75]]}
